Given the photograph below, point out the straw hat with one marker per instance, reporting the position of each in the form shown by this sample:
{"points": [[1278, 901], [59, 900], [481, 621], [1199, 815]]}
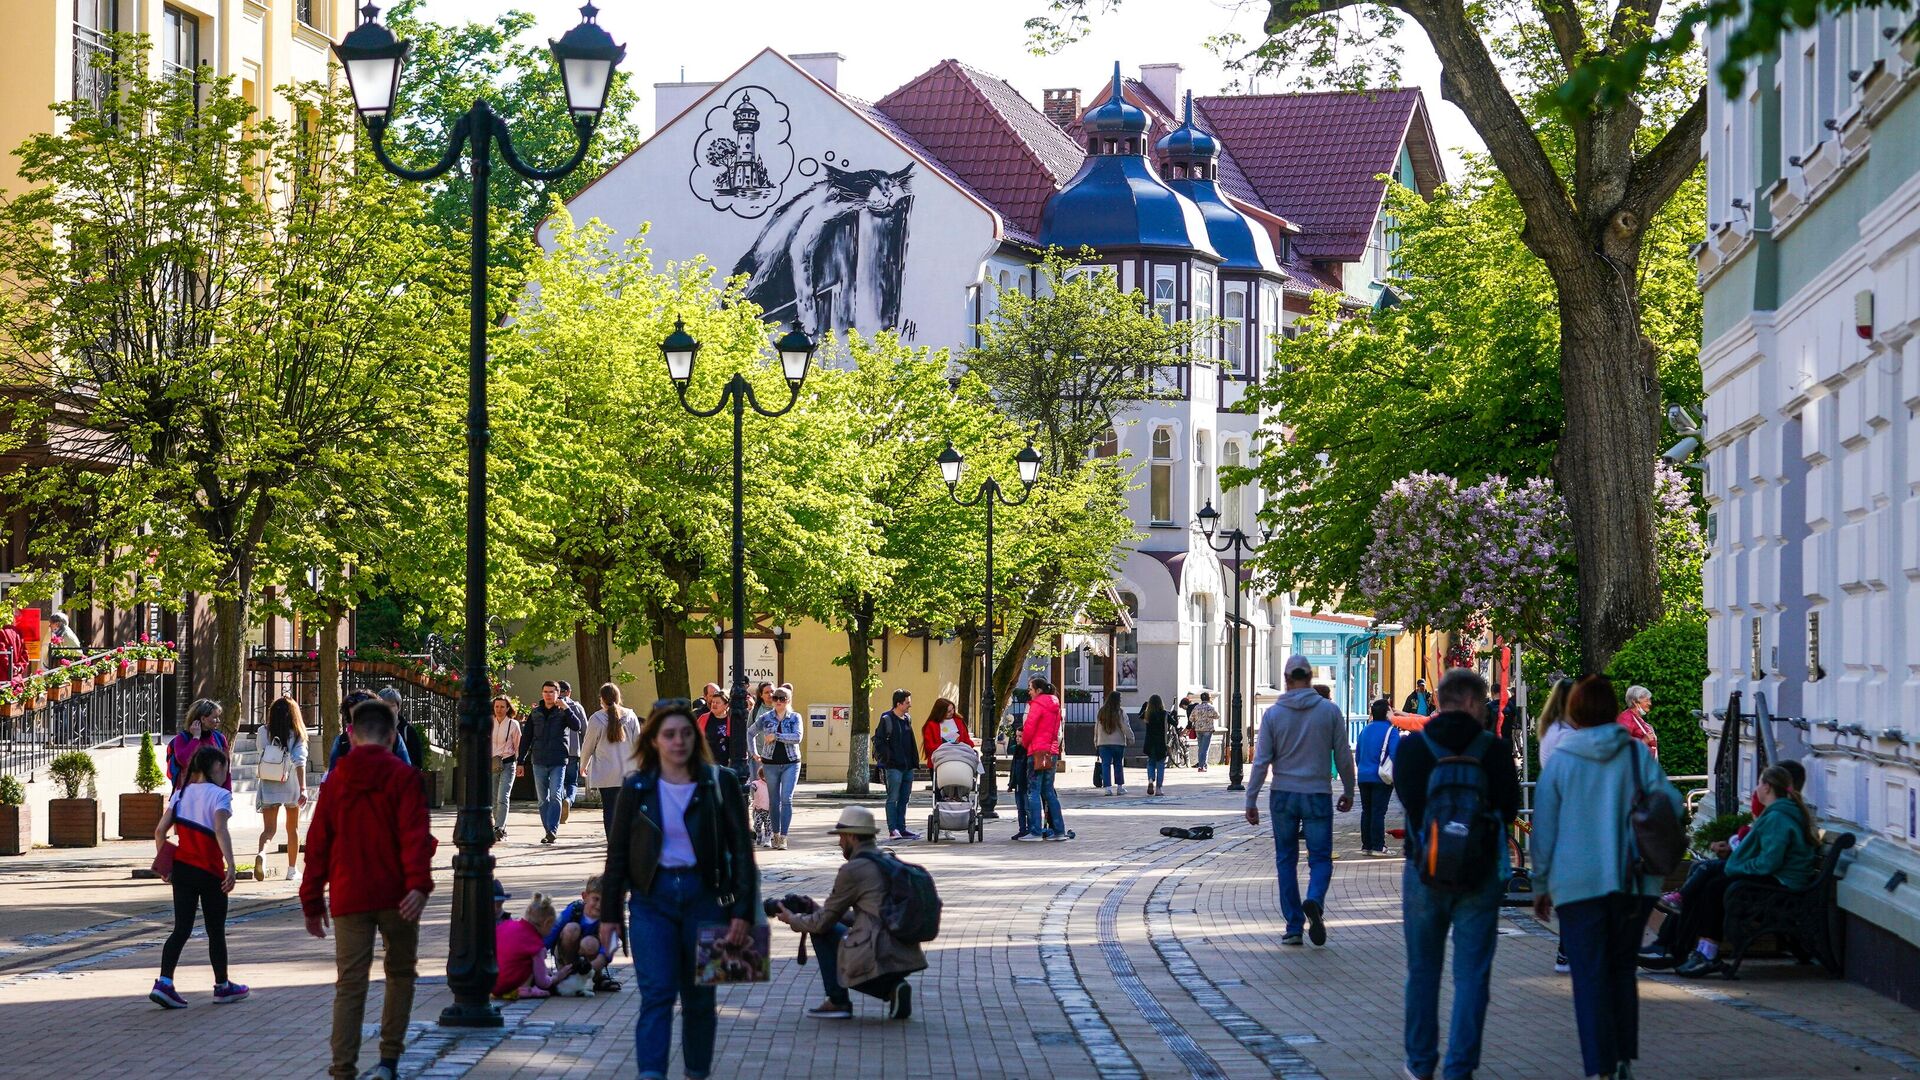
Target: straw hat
{"points": [[856, 821]]}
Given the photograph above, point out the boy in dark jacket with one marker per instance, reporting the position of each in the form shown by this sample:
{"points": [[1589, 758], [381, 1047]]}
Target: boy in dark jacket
{"points": [[371, 850]]}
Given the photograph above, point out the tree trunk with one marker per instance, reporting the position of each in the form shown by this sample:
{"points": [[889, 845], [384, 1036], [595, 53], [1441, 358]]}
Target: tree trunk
{"points": [[669, 645], [860, 674], [1007, 667], [592, 646], [329, 704], [226, 659], [1604, 464], [969, 639]]}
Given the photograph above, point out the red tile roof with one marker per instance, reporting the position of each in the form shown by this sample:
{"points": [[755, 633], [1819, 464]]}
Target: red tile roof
{"points": [[1314, 158], [1011, 229], [990, 136]]}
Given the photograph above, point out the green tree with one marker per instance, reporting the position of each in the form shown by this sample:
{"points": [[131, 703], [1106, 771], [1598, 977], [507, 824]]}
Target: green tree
{"points": [[1460, 378], [215, 309], [1588, 185]]}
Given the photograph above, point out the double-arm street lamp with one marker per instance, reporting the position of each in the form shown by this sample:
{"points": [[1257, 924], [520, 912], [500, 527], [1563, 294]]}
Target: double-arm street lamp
{"points": [[796, 353], [374, 61], [1239, 543], [990, 492]]}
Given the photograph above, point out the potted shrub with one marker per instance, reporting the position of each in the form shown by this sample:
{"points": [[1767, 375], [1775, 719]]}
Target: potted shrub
{"points": [[74, 819], [16, 818], [170, 654], [140, 810]]}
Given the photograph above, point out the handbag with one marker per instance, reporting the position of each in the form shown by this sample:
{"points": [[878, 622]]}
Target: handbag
{"points": [[275, 761], [1659, 836], [1043, 761], [1386, 760], [163, 862]]}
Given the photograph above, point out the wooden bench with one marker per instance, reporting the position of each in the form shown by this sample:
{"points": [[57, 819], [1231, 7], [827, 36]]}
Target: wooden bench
{"points": [[1805, 920]]}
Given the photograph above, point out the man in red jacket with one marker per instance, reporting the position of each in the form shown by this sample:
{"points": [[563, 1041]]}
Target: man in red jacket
{"points": [[370, 840]]}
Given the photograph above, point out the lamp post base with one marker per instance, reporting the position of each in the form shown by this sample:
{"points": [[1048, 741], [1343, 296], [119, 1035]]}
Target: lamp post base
{"points": [[471, 1015], [1236, 787]]}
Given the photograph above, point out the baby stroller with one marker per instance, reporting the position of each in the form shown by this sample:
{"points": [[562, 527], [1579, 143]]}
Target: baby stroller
{"points": [[956, 793]]}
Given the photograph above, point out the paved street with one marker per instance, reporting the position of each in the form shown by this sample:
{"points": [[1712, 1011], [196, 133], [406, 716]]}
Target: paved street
{"points": [[1120, 954]]}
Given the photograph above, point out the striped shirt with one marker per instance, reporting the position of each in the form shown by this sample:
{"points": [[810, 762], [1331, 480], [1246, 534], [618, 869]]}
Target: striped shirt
{"points": [[194, 816]]}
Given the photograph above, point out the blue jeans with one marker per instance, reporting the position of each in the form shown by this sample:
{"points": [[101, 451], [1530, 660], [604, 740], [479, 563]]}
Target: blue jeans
{"points": [[1156, 770], [1018, 776], [1041, 799], [780, 780], [826, 946], [1601, 938], [1291, 811], [1425, 915], [1110, 768], [1206, 744], [502, 791], [549, 782], [663, 927], [899, 788], [1374, 800], [573, 780]]}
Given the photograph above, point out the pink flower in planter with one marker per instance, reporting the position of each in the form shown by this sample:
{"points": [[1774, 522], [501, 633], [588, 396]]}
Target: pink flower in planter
{"points": [[144, 639]]}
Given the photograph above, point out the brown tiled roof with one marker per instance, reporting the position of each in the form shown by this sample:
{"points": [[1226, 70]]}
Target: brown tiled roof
{"points": [[987, 134], [1314, 158]]}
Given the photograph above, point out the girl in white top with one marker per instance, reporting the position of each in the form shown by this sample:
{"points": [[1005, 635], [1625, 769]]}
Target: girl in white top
{"points": [[282, 781], [506, 757], [607, 750]]}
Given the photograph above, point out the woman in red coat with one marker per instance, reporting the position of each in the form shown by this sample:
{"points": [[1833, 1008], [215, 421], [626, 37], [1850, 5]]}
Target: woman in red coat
{"points": [[943, 725]]}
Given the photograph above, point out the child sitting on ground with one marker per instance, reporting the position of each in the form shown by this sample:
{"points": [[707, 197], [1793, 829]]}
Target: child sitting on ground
{"points": [[520, 946], [578, 942]]}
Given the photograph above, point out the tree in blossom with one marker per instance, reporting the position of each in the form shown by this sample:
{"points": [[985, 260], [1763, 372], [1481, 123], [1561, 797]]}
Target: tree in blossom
{"points": [[1680, 540]]}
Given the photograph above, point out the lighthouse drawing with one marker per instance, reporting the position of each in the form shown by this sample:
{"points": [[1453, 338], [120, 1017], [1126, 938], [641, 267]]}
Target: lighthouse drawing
{"points": [[742, 159]]}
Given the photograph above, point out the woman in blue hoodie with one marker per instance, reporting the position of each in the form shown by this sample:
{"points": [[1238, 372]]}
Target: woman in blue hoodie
{"points": [[1582, 855], [1379, 741]]}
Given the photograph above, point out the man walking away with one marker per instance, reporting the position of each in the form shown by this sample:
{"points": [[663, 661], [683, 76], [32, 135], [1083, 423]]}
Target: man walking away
{"points": [[1298, 734], [369, 851], [1420, 702], [1204, 718], [575, 738], [864, 956], [1455, 779], [897, 752], [543, 746]]}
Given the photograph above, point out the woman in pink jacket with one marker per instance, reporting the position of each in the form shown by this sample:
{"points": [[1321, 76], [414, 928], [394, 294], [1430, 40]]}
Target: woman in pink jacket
{"points": [[1040, 736]]}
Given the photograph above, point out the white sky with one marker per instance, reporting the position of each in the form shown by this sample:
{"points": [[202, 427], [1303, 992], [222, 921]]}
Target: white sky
{"points": [[888, 43]]}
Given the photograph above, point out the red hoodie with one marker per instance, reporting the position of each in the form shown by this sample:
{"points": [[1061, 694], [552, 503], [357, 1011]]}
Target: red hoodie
{"points": [[370, 838], [1040, 731]]}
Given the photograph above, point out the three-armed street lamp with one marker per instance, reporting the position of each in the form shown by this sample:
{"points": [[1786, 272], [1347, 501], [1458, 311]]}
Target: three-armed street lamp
{"points": [[1239, 543], [990, 492], [796, 352], [374, 62]]}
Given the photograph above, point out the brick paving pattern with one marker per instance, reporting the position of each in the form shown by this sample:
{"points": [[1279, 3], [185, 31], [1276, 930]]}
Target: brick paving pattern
{"points": [[1119, 954]]}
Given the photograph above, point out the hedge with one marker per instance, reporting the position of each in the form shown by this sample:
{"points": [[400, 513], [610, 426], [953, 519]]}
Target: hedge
{"points": [[1670, 659]]}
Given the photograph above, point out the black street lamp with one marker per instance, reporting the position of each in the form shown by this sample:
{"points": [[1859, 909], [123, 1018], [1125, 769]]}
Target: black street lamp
{"points": [[796, 353], [990, 493], [1239, 543], [374, 62]]}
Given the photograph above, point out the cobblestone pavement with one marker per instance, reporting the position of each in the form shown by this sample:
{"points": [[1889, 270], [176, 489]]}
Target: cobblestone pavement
{"points": [[1120, 954]]}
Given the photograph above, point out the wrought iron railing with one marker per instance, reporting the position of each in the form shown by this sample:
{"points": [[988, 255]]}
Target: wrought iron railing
{"points": [[104, 716], [92, 81], [424, 703]]}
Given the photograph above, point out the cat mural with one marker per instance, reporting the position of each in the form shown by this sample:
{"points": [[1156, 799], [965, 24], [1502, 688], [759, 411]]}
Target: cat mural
{"points": [[833, 256]]}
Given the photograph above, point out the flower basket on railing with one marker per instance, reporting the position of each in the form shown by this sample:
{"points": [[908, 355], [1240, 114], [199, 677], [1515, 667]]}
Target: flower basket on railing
{"points": [[59, 693], [166, 667]]}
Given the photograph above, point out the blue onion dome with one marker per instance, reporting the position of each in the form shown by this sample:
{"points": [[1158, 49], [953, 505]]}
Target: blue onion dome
{"points": [[1114, 116], [1187, 144]]}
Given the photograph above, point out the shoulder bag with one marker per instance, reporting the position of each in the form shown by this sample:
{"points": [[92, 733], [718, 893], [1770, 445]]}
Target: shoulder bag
{"points": [[1386, 759], [1659, 836]]}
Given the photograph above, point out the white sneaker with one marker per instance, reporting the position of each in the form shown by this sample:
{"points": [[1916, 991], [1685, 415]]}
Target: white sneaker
{"points": [[1107, 791], [293, 876], [1121, 790]]}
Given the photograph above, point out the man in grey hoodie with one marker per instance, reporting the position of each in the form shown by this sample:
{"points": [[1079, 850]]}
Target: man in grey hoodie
{"points": [[1299, 735]]}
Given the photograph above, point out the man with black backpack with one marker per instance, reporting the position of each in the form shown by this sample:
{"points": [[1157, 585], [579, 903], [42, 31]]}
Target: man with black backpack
{"points": [[1457, 783], [892, 907]]}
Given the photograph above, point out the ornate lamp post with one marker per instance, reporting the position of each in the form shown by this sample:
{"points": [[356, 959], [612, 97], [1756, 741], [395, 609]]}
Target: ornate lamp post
{"points": [[1238, 543], [374, 61], [796, 353], [990, 492]]}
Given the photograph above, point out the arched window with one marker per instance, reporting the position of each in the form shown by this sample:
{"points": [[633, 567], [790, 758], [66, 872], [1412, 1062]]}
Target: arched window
{"points": [[1160, 477]]}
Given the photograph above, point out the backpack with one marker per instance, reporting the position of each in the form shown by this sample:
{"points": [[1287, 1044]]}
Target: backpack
{"points": [[275, 763], [1458, 842], [911, 910]]}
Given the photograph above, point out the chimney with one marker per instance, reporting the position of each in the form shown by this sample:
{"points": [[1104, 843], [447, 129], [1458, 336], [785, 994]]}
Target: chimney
{"points": [[1164, 82], [824, 66], [670, 99], [1061, 106]]}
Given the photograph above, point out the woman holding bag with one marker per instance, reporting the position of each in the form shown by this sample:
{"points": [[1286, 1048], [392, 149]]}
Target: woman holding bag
{"points": [[1379, 741]]}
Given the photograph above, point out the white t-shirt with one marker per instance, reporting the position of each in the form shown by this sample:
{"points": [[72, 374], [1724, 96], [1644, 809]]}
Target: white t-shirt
{"points": [[678, 850]]}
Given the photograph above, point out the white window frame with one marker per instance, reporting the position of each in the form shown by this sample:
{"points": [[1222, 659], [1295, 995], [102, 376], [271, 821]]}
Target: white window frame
{"points": [[1160, 475], [1166, 294], [1233, 335], [1203, 308]]}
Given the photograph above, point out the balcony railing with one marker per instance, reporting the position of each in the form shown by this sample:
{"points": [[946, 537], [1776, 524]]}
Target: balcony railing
{"points": [[91, 55], [32, 734]]}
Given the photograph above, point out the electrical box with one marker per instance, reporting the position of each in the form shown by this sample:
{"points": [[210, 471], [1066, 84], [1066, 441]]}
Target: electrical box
{"points": [[824, 749]]}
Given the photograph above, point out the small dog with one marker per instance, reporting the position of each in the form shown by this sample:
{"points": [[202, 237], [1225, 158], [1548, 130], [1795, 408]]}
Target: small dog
{"points": [[576, 983]]}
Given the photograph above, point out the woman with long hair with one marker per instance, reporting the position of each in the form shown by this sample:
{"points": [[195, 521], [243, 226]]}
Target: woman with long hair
{"points": [[604, 755], [944, 725], [1157, 723], [506, 761], [777, 736], [282, 782], [1583, 866], [202, 875], [681, 848], [1552, 724], [200, 727], [1110, 745], [1781, 849]]}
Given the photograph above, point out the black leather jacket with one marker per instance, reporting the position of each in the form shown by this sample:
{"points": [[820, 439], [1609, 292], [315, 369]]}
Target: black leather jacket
{"points": [[722, 842]]}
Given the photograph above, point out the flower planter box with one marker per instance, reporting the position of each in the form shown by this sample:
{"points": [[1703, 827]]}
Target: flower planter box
{"points": [[107, 677], [149, 667], [16, 830], [166, 667], [140, 814], [74, 822], [12, 708], [59, 693], [37, 703], [83, 686]]}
